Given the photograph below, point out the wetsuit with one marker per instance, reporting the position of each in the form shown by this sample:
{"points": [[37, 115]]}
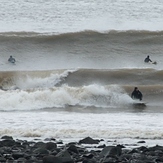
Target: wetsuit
{"points": [[147, 60], [136, 94], [12, 60]]}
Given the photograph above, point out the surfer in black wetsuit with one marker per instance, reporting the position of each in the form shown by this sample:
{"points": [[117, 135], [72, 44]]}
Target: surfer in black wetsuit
{"points": [[136, 94], [147, 59], [11, 59]]}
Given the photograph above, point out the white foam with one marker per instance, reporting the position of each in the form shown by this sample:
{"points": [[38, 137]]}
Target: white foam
{"points": [[39, 98], [50, 81], [65, 125]]}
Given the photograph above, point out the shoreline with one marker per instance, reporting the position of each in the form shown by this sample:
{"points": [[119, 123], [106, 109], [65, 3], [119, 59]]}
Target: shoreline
{"points": [[51, 150]]}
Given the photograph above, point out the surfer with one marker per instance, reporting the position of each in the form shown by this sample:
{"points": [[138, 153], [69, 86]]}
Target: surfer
{"points": [[11, 59], [147, 59], [136, 94]]}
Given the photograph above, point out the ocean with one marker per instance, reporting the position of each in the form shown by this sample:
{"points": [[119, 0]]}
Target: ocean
{"points": [[77, 63]]}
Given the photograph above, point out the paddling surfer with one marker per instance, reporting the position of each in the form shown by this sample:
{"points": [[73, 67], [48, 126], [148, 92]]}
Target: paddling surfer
{"points": [[11, 59], [136, 94], [147, 59]]}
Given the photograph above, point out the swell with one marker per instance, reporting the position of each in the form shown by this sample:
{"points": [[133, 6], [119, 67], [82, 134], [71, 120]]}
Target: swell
{"points": [[85, 48], [82, 77], [135, 36], [115, 76], [75, 88]]}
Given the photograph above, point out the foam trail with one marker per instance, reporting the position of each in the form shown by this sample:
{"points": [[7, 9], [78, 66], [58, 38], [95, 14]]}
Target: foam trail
{"points": [[92, 95]]}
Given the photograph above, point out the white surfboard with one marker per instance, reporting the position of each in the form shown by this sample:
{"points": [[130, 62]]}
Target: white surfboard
{"points": [[139, 103], [155, 63]]}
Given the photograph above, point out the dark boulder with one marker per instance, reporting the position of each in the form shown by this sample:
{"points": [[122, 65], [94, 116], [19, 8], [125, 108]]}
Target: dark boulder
{"points": [[89, 140], [73, 148], [39, 145], [41, 151], [50, 146], [141, 141], [7, 143], [7, 137], [2, 159], [17, 155], [65, 156], [51, 159], [111, 151]]}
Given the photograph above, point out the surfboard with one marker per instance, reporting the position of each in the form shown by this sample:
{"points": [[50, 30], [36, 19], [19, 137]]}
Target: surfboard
{"points": [[155, 63], [139, 103], [12, 60]]}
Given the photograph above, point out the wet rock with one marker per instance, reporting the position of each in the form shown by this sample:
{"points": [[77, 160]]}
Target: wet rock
{"points": [[111, 151], [88, 155], [49, 139], [2, 159], [50, 146], [64, 156], [141, 141], [73, 148], [39, 145], [51, 159], [41, 151], [7, 137], [17, 155], [7, 142], [89, 140], [101, 146], [50, 152]]}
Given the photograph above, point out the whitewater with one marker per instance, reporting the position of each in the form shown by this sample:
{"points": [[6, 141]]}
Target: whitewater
{"points": [[77, 63]]}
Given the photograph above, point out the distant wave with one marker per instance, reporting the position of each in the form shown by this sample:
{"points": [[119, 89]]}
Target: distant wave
{"points": [[78, 33], [81, 77], [83, 49], [115, 76], [112, 36]]}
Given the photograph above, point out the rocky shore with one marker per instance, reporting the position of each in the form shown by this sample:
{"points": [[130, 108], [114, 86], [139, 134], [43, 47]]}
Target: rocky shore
{"points": [[53, 151]]}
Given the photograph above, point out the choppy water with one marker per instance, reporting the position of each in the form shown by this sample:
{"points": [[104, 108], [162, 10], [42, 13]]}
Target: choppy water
{"points": [[76, 66]]}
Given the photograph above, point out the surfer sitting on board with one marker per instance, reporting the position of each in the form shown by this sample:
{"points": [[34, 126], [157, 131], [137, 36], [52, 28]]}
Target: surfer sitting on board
{"points": [[11, 59], [136, 94], [147, 60]]}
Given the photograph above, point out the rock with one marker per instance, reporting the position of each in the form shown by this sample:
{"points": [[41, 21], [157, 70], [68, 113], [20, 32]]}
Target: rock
{"points": [[143, 149], [141, 141], [88, 140], [73, 148], [88, 155], [21, 160], [49, 139], [7, 137], [17, 155], [12, 151], [101, 146], [59, 142], [50, 146], [111, 150], [51, 159], [41, 151], [2, 159], [157, 147], [7, 142], [39, 145], [65, 156], [110, 160]]}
